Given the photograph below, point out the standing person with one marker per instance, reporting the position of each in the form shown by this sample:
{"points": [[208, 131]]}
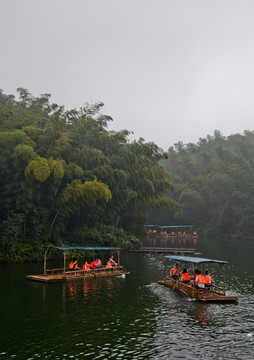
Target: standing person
{"points": [[208, 279]]}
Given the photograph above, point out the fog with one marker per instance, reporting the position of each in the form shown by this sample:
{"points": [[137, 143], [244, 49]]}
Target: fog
{"points": [[166, 70]]}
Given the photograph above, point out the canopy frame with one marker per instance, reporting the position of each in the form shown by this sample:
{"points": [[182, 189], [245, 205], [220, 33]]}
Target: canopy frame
{"points": [[65, 250]]}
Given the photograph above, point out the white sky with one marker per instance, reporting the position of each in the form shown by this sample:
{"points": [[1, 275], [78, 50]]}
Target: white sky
{"points": [[168, 70]]}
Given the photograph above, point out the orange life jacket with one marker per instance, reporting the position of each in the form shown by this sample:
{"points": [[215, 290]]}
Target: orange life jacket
{"points": [[71, 265], [175, 270], [201, 279], [91, 265], [85, 267], [186, 277], [208, 280]]}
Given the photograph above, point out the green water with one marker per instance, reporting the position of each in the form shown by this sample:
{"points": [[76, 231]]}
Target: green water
{"points": [[131, 318]]}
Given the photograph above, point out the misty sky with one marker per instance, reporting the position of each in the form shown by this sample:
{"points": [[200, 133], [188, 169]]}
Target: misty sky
{"points": [[168, 70]]}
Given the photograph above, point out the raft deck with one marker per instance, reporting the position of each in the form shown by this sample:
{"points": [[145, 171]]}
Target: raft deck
{"points": [[213, 294], [149, 249], [56, 276]]}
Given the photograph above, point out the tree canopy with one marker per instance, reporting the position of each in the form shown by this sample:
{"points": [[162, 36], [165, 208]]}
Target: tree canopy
{"points": [[66, 179], [214, 183]]}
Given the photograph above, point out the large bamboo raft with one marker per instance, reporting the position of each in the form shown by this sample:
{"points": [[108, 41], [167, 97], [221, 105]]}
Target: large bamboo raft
{"points": [[213, 294], [63, 274], [59, 275]]}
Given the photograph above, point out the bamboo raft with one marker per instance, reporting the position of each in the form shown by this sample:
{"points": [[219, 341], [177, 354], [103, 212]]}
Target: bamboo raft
{"points": [[63, 274], [148, 249], [213, 294], [208, 294], [59, 275]]}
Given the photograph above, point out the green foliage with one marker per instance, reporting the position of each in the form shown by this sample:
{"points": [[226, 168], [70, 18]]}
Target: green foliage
{"points": [[214, 182], [67, 179]]}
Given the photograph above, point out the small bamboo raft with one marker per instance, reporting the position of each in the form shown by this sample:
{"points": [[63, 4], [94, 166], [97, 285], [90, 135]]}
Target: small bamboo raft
{"points": [[211, 294], [215, 294]]}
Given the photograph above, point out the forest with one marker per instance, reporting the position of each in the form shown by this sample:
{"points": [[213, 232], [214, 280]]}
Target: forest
{"points": [[67, 180], [214, 184]]}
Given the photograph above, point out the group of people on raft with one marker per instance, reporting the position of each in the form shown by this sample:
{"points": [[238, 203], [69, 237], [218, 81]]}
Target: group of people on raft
{"points": [[95, 264], [200, 281]]}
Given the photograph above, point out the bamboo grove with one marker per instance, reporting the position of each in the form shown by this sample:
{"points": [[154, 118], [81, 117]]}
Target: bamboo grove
{"points": [[214, 183], [67, 180]]}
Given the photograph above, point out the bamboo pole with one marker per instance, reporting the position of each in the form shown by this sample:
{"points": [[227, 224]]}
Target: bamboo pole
{"points": [[224, 273], [64, 253], [45, 261], [118, 260]]}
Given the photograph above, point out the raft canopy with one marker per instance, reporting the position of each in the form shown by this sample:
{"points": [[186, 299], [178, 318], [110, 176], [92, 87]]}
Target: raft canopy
{"points": [[194, 260], [99, 248], [175, 226]]}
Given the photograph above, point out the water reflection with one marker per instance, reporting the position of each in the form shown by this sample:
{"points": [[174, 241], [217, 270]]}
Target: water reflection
{"points": [[132, 318]]}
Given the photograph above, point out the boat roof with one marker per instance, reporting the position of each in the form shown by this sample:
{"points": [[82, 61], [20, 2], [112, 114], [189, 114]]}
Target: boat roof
{"points": [[175, 226], [64, 248], [195, 260]]}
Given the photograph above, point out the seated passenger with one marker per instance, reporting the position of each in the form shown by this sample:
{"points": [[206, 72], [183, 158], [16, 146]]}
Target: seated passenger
{"points": [[196, 274], [175, 271], [75, 265], [109, 265], [200, 281], [71, 265], [98, 263], [86, 266], [111, 260], [185, 278], [208, 279]]}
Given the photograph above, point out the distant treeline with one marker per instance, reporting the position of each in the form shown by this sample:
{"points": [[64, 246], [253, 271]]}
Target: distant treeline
{"points": [[67, 180], [214, 183]]}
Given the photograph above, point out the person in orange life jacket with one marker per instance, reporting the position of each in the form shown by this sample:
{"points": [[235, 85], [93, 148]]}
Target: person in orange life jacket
{"points": [[200, 281], [92, 265], [109, 266], [73, 266], [208, 279], [185, 278], [98, 263], [86, 266], [196, 274], [112, 261], [175, 271]]}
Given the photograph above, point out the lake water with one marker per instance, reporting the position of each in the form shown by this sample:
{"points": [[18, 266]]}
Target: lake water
{"points": [[131, 318]]}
